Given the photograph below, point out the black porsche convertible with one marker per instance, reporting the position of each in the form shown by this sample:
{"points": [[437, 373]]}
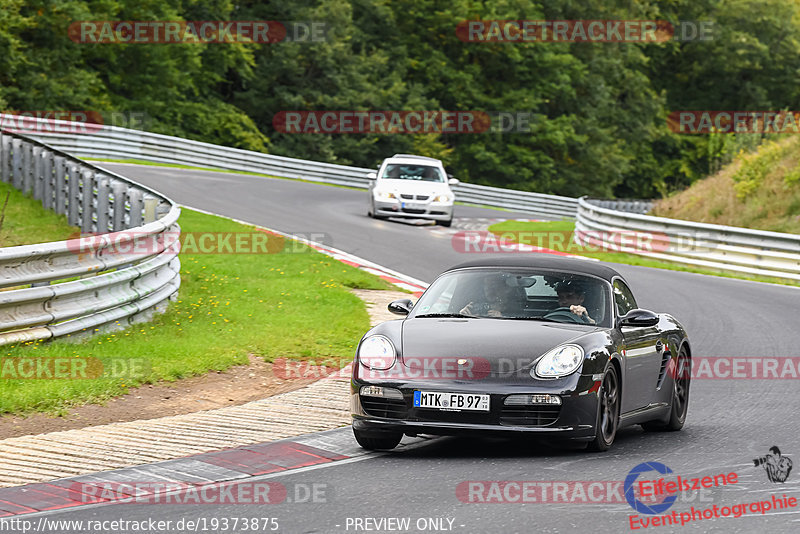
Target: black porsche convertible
{"points": [[551, 346]]}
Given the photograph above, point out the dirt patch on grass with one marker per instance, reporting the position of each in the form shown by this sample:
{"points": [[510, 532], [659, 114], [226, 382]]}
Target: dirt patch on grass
{"points": [[237, 385]]}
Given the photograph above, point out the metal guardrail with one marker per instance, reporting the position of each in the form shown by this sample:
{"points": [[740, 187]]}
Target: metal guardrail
{"points": [[632, 206], [121, 143], [603, 223], [126, 269], [728, 248], [546, 206]]}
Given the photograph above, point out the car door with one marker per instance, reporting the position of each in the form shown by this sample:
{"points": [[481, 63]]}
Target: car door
{"points": [[643, 350]]}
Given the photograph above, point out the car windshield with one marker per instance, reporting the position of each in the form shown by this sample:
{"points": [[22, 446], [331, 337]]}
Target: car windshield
{"points": [[518, 294], [404, 171]]}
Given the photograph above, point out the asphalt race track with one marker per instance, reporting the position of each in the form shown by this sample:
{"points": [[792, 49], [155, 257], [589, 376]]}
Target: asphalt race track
{"points": [[730, 421]]}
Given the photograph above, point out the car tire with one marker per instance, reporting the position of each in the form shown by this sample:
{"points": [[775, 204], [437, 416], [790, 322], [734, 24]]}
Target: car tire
{"points": [[372, 213], [608, 401], [680, 398], [446, 223], [374, 441]]}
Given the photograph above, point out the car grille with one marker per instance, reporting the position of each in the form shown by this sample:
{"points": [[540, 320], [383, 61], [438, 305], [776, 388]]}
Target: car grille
{"points": [[537, 415], [412, 197], [409, 210], [379, 407], [529, 415]]}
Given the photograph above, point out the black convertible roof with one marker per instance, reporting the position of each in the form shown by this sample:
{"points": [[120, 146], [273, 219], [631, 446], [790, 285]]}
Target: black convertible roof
{"points": [[544, 261]]}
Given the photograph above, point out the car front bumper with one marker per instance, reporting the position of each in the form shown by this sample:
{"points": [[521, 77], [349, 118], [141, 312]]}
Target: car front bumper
{"points": [[437, 211], [574, 419]]}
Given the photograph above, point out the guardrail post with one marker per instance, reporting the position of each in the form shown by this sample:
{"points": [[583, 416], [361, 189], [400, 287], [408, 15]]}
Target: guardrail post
{"points": [[39, 174], [103, 192], [46, 190], [136, 207], [162, 208], [87, 201], [28, 158], [5, 158], [73, 195], [16, 163], [118, 217], [60, 185], [150, 206]]}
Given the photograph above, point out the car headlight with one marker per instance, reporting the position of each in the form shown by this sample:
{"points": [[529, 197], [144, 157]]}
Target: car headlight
{"points": [[442, 198], [561, 361], [377, 352], [384, 195]]}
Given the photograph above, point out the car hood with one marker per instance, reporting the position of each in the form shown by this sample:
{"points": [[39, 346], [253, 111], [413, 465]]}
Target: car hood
{"points": [[412, 187], [504, 345]]}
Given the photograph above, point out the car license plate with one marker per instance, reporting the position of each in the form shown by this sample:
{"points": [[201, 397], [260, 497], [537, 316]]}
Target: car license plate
{"points": [[451, 401], [413, 206]]}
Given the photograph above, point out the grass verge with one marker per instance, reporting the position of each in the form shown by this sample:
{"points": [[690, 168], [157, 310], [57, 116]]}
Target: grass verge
{"points": [[532, 232], [294, 304], [27, 222]]}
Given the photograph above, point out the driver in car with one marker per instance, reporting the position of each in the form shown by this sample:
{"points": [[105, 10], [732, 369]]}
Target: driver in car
{"points": [[571, 295]]}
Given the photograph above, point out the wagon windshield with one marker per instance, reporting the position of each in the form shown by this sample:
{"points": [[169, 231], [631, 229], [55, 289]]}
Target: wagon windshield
{"points": [[424, 173], [515, 294]]}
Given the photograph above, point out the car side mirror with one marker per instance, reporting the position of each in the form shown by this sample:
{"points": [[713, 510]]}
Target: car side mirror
{"points": [[401, 307], [453, 181], [638, 317], [372, 176]]}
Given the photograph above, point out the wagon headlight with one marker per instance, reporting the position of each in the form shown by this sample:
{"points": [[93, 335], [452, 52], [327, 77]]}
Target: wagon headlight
{"points": [[559, 362], [384, 195], [442, 198], [377, 352]]}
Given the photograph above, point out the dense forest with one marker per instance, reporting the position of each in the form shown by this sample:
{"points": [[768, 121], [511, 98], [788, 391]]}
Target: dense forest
{"points": [[599, 110]]}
